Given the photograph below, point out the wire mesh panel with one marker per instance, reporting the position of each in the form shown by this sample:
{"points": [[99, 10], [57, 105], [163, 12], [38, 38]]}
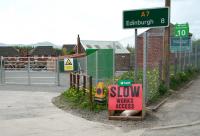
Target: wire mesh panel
{"points": [[82, 64], [92, 64], [100, 64], [105, 66]]}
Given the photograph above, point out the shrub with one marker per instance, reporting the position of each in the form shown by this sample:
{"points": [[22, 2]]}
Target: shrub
{"points": [[77, 99], [176, 81], [162, 88]]}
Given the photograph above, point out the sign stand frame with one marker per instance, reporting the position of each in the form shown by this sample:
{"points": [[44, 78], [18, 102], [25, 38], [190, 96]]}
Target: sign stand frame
{"points": [[138, 117]]}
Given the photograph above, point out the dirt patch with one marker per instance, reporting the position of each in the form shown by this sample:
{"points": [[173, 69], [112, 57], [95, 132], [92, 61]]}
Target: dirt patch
{"points": [[102, 116]]}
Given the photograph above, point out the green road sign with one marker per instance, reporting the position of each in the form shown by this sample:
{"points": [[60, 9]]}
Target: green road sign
{"points": [[125, 82], [158, 17], [179, 44], [181, 30]]}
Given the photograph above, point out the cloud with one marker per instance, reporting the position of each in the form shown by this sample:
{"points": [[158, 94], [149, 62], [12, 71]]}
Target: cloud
{"points": [[59, 21]]}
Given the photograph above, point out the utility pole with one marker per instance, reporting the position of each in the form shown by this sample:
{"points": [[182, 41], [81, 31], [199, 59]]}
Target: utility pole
{"points": [[166, 50]]}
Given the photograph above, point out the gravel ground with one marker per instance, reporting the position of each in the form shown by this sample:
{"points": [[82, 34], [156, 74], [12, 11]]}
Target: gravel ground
{"points": [[180, 108], [150, 120]]}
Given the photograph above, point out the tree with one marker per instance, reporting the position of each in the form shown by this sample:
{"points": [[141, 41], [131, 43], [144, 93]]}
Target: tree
{"points": [[24, 51], [64, 51], [130, 49]]}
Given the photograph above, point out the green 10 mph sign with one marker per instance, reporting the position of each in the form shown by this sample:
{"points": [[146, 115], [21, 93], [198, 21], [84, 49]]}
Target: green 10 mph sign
{"points": [[181, 30]]}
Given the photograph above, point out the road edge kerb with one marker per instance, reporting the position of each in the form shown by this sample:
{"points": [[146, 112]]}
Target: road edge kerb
{"points": [[155, 108], [176, 126], [188, 84]]}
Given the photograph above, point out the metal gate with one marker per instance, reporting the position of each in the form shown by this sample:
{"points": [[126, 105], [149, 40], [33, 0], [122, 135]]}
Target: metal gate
{"points": [[29, 70]]}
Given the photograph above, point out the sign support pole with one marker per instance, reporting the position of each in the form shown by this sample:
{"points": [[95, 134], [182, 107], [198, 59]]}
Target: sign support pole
{"points": [[166, 58], [136, 67]]}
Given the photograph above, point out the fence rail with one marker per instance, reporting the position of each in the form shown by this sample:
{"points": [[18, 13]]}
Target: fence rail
{"points": [[82, 82], [29, 70]]}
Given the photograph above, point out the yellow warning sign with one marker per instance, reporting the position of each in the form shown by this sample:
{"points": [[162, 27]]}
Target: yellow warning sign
{"points": [[100, 94], [68, 64]]}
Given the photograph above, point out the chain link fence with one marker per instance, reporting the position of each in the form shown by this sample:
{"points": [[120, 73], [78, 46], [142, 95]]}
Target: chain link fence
{"points": [[180, 60]]}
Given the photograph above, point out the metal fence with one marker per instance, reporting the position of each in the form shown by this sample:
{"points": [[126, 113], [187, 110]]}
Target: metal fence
{"points": [[99, 64], [29, 70], [180, 61]]}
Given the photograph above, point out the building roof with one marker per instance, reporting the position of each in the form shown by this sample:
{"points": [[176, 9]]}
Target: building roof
{"points": [[8, 51], [43, 51], [89, 44], [69, 47]]}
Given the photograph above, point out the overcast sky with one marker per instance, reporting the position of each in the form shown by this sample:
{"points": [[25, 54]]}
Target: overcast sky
{"points": [[59, 21]]}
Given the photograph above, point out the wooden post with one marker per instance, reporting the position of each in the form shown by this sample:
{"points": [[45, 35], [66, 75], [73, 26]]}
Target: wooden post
{"points": [[90, 93], [84, 83], [77, 85], [71, 80], [74, 80]]}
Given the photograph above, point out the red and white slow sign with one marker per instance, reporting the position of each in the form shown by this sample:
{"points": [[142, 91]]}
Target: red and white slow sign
{"points": [[125, 97]]}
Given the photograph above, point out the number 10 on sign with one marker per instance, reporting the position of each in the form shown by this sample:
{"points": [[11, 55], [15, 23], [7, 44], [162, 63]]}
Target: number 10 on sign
{"points": [[181, 30]]}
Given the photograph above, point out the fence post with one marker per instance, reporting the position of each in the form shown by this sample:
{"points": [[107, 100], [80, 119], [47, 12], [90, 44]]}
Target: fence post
{"points": [[74, 80], [180, 55], [84, 83], [90, 93], [78, 78], [28, 70], [196, 56], [97, 67], [145, 94], [184, 61], [1, 70], [175, 66], [160, 70], [58, 71]]}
